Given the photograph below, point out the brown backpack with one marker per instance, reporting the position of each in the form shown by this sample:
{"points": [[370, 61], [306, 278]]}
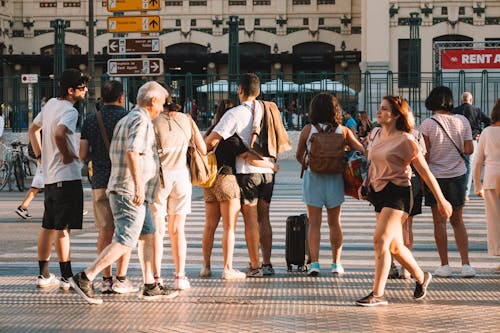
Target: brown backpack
{"points": [[327, 154]]}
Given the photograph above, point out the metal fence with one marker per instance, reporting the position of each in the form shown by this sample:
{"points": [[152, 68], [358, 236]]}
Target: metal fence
{"points": [[199, 94]]}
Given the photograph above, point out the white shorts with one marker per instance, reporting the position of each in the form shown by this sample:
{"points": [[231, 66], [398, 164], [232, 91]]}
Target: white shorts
{"points": [[174, 198], [37, 181]]}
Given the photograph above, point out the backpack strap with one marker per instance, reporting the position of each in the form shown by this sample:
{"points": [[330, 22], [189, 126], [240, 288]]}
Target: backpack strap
{"points": [[104, 135]]}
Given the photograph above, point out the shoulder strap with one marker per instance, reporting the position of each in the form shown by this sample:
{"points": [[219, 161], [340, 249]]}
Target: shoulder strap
{"points": [[104, 135], [449, 137]]}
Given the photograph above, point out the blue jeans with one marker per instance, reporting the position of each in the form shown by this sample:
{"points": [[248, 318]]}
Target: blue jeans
{"points": [[131, 220], [469, 160]]}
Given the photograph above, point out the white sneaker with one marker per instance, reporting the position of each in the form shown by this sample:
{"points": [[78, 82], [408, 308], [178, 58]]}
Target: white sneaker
{"points": [[233, 274], [124, 287], [443, 271], [181, 283], [337, 269], [468, 271], [43, 282], [64, 284]]}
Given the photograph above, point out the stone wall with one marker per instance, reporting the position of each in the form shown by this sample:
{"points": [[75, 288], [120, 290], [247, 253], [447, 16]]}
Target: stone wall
{"points": [[9, 136]]}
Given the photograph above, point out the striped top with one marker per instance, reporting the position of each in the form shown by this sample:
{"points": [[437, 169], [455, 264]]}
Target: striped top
{"points": [[134, 132], [442, 157]]}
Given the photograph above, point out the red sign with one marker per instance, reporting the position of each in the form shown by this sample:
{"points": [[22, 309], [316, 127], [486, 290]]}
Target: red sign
{"points": [[470, 59]]}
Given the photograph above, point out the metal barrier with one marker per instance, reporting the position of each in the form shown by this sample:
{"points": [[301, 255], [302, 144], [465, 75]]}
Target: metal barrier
{"points": [[199, 94]]}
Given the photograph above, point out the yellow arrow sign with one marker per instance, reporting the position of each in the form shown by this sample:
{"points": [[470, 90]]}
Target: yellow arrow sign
{"points": [[133, 5], [117, 24]]}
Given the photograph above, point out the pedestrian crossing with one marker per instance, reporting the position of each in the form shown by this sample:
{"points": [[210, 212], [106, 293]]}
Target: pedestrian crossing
{"points": [[358, 223]]}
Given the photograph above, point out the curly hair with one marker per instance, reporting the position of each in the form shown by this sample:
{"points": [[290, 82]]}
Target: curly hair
{"points": [[325, 108]]}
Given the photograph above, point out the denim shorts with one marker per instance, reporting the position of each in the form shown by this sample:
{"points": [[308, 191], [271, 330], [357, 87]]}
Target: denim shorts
{"points": [[320, 190], [131, 220], [395, 197], [453, 190]]}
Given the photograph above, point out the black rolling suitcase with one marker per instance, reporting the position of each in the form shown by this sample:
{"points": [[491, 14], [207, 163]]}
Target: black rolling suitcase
{"points": [[296, 246]]}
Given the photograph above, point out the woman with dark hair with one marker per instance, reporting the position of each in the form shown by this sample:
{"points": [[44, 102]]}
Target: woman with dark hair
{"points": [[390, 152], [488, 153], [327, 190], [223, 198], [447, 138]]}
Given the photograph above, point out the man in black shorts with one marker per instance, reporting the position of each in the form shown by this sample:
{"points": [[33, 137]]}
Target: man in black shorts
{"points": [[61, 175], [256, 183]]}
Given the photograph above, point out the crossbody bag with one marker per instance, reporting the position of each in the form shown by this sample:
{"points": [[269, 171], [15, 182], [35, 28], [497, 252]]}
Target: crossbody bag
{"points": [[449, 137]]}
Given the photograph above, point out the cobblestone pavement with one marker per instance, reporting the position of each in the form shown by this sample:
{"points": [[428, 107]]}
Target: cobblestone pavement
{"points": [[285, 302]]}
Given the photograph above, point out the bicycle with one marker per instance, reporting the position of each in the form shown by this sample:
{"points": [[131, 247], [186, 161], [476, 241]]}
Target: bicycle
{"points": [[13, 164]]}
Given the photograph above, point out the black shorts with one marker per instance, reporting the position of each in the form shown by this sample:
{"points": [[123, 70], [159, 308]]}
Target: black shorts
{"points": [[418, 195], [63, 205], [393, 196], [255, 186], [453, 190]]}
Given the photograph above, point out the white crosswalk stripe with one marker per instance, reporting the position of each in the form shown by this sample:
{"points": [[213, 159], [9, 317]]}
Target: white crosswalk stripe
{"points": [[358, 222]]}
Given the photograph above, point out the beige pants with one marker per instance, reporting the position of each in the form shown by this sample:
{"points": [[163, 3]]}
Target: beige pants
{"points": [[492, 203]]}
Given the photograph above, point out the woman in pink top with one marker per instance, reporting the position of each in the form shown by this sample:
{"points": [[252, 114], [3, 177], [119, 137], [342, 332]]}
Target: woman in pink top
{"points": [[390, 152]]}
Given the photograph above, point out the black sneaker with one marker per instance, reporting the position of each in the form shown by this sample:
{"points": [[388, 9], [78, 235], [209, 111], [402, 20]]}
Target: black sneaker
{"points": [[84, 288], [372, 300], [267, 269], [23, 213], [157, 292], [393, 272], [421, 289]]}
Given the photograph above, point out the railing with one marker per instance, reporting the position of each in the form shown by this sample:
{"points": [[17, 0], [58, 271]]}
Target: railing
{"points": [[200, 93]]}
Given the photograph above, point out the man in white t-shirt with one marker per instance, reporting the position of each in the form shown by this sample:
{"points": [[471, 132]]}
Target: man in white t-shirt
{"points": [[256, 183], [61, 170]]}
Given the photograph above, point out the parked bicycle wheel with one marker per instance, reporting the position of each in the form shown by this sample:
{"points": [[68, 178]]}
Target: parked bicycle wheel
{"points": [[29, 166], [19, 173], [4, 175]]}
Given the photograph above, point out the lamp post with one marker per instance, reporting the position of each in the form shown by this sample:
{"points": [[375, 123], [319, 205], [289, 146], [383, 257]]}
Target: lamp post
{"points": [[233, 56], [414, 51], [91, 59], [59, 54]]}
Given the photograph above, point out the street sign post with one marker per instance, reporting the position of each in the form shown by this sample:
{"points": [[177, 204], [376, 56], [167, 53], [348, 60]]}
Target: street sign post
{"points": [[135, 67], [29, 78], [122, 24], [134, 46], [133, 5]]}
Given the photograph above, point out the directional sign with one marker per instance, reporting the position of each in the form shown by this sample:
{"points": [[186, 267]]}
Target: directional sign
{"points": [[134, 45], [133, 5], [135, 67], [117, 24]]}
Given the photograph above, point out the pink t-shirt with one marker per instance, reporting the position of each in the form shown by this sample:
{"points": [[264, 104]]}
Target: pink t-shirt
{"points": [[442, 157], [390, 159]]}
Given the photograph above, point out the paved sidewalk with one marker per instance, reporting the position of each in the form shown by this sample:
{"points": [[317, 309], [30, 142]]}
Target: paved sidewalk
{"points": [[286, 302]]}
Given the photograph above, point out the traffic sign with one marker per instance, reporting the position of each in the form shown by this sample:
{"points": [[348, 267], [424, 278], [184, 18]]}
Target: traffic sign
{"points": [[29, 78], [135, 67], [117, 24], [133, 5], [134, 45]]}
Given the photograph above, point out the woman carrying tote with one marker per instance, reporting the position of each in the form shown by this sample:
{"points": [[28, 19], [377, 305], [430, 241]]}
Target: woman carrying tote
{"points": [[390, 152]]}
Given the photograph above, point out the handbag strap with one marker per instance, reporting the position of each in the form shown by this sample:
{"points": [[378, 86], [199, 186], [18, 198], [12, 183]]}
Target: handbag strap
{"points": [[449, 137], [104, 135]]}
